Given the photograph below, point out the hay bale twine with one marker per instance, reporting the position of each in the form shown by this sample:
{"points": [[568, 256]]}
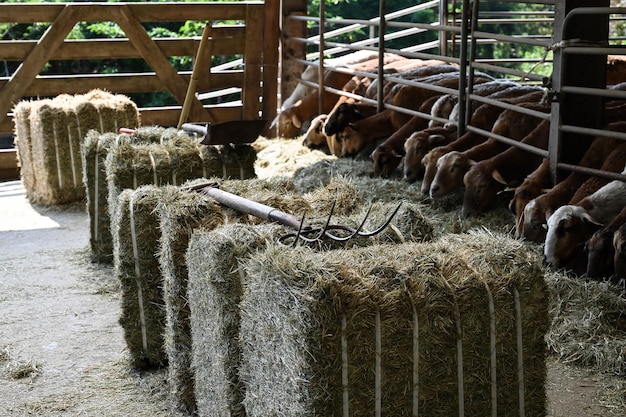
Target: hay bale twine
{"points": [[136, 233], [214, 261], [402, 329], [23, 143]]}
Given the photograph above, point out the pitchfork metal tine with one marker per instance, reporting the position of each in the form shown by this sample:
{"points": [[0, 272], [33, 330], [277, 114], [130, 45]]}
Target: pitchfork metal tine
{"points": [[381, 228], [322, 231], [295, 241]]}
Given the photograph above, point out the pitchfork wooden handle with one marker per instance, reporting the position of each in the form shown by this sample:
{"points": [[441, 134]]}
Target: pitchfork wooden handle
{"points": [[252, 207]]}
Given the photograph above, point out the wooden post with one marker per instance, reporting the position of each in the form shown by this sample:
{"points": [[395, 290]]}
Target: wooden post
{"points": [[289, 69]]}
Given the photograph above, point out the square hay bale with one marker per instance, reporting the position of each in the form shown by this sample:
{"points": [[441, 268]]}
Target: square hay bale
{"points": [[436, 329], [180, 213], [214, 261], [94, 151], [56, 130], [135, 230], [216, 281], [177, 158]]}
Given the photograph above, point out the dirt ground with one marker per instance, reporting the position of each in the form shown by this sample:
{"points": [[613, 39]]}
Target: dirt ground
{"points": [[62, 352]]}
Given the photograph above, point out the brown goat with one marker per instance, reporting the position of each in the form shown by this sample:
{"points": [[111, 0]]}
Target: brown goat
{"points": [[388, 155], [619, 246], [484, 117], [487, 178], [601, 154], [600, 250]]}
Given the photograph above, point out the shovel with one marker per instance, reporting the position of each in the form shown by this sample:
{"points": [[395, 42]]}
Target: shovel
{"points": [[235, 131]]}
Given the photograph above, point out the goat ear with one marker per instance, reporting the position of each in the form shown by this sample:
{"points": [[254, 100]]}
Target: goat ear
{"points": [[498, 177], [588, 218], [296, 121]]}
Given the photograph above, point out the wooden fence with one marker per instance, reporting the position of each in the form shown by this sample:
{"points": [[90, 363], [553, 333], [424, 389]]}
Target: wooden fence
{"points": [[254, 37]]}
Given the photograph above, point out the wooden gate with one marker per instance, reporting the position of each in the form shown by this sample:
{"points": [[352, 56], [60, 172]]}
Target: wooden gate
{"points": [[245, 29]]}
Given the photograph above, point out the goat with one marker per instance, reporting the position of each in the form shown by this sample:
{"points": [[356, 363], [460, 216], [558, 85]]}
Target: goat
{"points": [[387, 156], [356, 136], [420, 144], [619, 246], [291, 120], [571, 225], [604, 153], [484, 117], [442, 108], [535, 184], [311, 73], [592, 184], [314, 138], [487, 178], [347, 111], [412, 97], [600, 250], [492, 89], [453, 165]]}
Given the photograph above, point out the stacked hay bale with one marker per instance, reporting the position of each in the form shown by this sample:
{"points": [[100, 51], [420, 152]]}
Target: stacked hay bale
{"points": [[180, 213], [94, 151], [52, 142], [215, 287], [217, 279], [23, 144], [150, 155], [438, 329]]}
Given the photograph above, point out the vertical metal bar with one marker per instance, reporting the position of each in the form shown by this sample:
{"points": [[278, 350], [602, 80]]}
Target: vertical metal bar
{"points": [[463, 64], [472, 57], [320, 109], [382, 25], [443, 20]]}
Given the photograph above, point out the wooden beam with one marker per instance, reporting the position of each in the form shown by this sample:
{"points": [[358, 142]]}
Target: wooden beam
{"points": [[174, 83], [54, 36]]}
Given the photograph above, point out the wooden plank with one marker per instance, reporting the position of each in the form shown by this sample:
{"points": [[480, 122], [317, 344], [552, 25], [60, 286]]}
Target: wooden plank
{"points": [[271, 37], [156, 59], [93, 49], [13, 91], [120, 83], [168, 116], [145, 12], [253, 63]]}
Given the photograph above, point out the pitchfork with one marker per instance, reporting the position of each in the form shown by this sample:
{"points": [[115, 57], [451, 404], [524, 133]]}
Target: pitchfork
{"points": [[302, 232]]}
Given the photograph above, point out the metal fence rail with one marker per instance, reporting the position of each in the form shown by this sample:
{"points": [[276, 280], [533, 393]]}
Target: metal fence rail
{"points": [[459, 33]]}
